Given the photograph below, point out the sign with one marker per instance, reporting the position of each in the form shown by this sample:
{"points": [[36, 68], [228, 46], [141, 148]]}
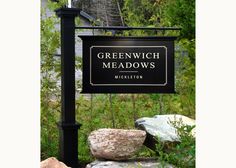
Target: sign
{"points": [[113, 64]]}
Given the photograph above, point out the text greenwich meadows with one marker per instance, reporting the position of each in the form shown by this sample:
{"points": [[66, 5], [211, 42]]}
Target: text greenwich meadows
{"points": [[128, 56]]}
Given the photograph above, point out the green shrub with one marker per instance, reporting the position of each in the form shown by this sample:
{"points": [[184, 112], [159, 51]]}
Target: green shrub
{"points": [[181, 13], [182, 155]]}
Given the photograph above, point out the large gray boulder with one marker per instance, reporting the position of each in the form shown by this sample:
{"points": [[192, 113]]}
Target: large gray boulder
{"points": [[52, 162], [115, 144], [128, 164], [161, 126]]}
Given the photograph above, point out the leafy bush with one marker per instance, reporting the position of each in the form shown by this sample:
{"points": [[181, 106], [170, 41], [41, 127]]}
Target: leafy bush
{"points": [[49, 90], [181, 13], [182, 155]]}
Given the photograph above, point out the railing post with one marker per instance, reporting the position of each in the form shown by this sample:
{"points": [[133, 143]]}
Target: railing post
{"points": [[68, 126]]}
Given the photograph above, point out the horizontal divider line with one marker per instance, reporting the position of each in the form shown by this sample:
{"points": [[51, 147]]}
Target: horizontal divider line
{"points": [[129, 71]]}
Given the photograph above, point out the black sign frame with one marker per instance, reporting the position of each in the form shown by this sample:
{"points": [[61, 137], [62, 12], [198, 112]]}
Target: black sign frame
{"points": [[89, 42]]}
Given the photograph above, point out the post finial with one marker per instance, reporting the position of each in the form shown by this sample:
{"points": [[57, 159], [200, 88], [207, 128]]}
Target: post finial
{"points": [[69, 3]]}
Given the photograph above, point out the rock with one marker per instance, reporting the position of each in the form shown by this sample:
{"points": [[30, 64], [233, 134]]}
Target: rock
{"points": [[126, 164], [160, 126], [115, 144], [52, 163]]}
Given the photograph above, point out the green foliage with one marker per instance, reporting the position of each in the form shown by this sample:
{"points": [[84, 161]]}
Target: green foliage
{"points": [[181, 155], [142, 12], [181, 13], [49, 134], [158, 13], [56, 5], [185, 78], [49, 91], [145, 152]]}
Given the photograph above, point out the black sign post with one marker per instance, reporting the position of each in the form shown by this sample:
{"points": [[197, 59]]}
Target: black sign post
{"points": [[68, 126], [110, 65], [113, 64]]}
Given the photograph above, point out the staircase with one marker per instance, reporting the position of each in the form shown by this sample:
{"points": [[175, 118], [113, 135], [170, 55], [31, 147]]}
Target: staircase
{"points": [[107, 12]]}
